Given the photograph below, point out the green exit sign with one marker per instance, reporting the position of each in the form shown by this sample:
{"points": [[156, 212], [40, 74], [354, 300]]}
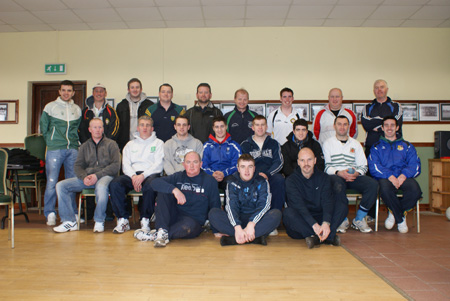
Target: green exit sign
{"points": [[55, 68]]}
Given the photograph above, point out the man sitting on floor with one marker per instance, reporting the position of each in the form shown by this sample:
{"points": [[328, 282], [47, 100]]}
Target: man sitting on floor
{"points": [[312, 212], [184, 201], [394, 163], [247, 218], [97, 163]]}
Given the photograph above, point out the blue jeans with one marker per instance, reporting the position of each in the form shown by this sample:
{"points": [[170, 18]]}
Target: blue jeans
{"points": [[55, 159], [66, 197]]}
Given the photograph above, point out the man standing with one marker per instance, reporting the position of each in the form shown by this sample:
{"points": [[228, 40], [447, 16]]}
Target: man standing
{"points": [[220, 153], [184, 201], [346, 163], [268, 159], [281, 120], [98, 162], [374, 112], [129, 110], [142, 162], [239, 121], [181, 143], [202, 113], [394, 163], [97, 107], [299, 138], [59, 126], [324, 120], [164, 113], [247, 218], [312, 212]]}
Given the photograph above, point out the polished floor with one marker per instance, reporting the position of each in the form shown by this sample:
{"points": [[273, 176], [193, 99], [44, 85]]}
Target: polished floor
{"points": [[387, 265]]}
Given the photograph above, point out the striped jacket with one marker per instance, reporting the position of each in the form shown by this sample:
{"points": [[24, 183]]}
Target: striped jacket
{"points": [[340, 156]]}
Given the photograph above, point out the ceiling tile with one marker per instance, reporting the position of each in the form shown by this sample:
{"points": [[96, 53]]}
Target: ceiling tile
{"points": [[185, 23], [41, 4], [87, 3], [445, 24], [60, 16], [224, 23], [224, 12], [131, 3], [146, 24], [9, 5], [394, 12], [143, 13], [404, 2], [181, 13], [342, 23], [268, 2], [23, 18], [264, 23], [222, 2], [359, 2], [7, 28], [267, 12], [421, 23], [309, 12], [108, 25], [351, 12], [382, 23], [33, 27], [314, 2], [439, 2], [307, 23], [97, 15], [70, 26], [432, 13], [177, 2]]}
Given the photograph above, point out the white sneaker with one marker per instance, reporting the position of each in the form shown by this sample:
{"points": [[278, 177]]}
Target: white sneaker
{"points": [[390, 221], [81, 219], [369, 219], [274, 233], [162, 238], [403, 227], [145, 224], [99, 227], [361, 226], [344, 226], [66, 226], [122, 226], [51, 219], [142, 235]]}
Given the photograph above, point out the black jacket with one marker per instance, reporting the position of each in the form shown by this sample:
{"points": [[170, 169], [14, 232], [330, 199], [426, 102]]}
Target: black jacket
{"points": [[201, 121], [290, 153]]}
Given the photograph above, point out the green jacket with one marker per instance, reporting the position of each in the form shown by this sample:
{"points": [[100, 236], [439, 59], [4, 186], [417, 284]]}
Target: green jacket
{"points": [[59, 124]]}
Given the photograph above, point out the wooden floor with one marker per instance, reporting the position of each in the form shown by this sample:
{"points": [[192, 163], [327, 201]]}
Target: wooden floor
{"points": [[84, 265]]}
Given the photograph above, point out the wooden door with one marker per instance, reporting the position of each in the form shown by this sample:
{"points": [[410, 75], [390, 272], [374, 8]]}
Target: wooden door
{"points": [[43, 93]]}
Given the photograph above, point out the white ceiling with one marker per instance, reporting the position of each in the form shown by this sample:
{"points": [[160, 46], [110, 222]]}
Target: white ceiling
{"points": [[50, 15]]}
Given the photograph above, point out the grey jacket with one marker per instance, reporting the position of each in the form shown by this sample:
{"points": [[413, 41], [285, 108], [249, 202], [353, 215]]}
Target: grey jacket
{"points": [[102, 159], [175, 149]]}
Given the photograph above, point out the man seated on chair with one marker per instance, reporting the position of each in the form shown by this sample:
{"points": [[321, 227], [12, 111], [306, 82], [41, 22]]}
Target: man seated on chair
{"points": [[97, 163], [312, 212], [394, 163], [179, 145], [247, 217], [346, 163], [142, 162], [184, 201]]}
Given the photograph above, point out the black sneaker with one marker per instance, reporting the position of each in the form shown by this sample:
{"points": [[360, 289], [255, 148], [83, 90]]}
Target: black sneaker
{"points": [[312, 241], [228, 241], [260, 241], [335, 242]]}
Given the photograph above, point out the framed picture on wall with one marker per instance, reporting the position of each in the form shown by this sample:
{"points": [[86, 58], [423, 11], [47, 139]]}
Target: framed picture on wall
{"points": [[302, 110], [429, 112], [409, 111], [110, 101], [259, 108], [226, 107], [315, 108], [4, 112], [348, 106], [445, 111], [357, 109], [270, 107], [154, 99]]}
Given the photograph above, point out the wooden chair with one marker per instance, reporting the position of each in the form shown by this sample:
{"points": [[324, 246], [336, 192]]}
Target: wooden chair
{"points": [[5, 198]]}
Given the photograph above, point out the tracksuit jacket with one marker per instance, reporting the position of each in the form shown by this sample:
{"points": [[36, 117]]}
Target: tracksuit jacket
{"points": [[163, 121], [324, 123], [393, 158], [221, 156], [340, 156], [269, 159], [239, 125]]}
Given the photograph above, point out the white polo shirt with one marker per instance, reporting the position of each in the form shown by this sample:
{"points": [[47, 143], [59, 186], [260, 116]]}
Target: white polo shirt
{"points": [[281, 126]]}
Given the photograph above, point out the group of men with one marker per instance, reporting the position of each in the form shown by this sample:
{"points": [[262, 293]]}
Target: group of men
{"points": [[262, 165]]}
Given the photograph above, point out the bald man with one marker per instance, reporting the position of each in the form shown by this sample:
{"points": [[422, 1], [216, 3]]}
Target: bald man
{"points": [[324, 120], [312, 212]]}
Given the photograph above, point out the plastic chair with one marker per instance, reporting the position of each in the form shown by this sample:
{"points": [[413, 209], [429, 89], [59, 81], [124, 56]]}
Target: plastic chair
{"points": [[5, 198]]}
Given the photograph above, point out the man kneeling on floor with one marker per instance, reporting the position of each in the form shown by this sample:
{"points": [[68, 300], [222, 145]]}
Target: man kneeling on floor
{"points": [[247, 218], [184, 200], [97, 163], [312, 212]]}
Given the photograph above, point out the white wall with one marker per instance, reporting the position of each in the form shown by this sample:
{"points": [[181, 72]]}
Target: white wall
{"points": [[415, 62]]}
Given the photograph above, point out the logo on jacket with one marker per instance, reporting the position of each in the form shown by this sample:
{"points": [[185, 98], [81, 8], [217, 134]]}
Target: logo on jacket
{"points": [[107, 121], [400, 147], [293, 120], [191, 187], [233, 125], [172, 118], [352, 150], [153, 149], [180, 152], [250, 123]]}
